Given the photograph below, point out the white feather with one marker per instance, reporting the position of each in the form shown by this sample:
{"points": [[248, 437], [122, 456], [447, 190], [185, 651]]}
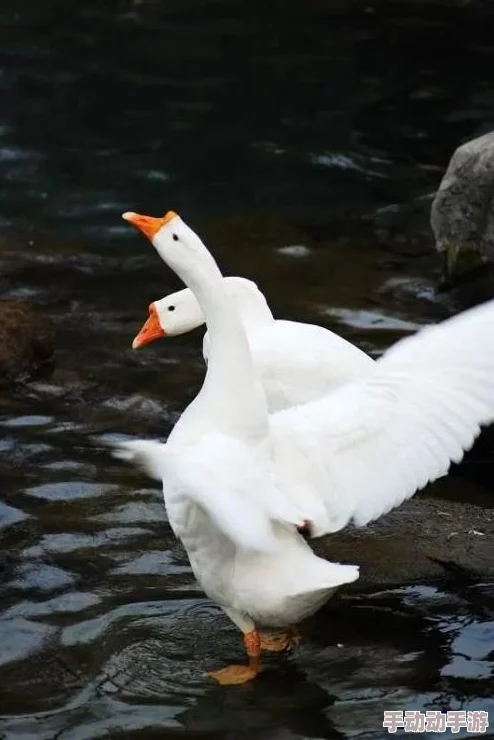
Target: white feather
{"points": [[236, 482], [372, 444], [295, 362]]}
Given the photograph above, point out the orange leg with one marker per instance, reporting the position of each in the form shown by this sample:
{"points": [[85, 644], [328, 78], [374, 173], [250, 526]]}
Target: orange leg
{"points": [[238, 674], [279, 641]]}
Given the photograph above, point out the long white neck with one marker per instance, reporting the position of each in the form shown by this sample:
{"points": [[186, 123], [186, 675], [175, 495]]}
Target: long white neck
{"points": [[251, 303], [231, 398]]}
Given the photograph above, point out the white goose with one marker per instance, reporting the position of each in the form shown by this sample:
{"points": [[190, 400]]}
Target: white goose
{"points": [[295, 362], [237, 482]]}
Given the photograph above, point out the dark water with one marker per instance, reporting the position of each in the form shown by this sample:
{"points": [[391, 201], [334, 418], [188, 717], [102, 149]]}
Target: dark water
{"points": [[270, 129]]}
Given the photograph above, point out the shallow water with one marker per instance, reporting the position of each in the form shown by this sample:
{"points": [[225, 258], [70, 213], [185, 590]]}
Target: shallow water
{"points": [[270, 131]]}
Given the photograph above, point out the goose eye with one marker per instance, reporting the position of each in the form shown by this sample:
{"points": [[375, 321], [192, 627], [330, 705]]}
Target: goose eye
{"points": [[175, 237], [171, 308]]}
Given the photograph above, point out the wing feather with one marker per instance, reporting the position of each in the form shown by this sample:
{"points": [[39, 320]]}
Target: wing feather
{"points": [[368, 446], [220, 476]]}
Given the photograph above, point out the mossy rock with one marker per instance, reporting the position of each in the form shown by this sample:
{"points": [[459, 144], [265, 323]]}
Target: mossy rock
{"points": [[26, 342]]}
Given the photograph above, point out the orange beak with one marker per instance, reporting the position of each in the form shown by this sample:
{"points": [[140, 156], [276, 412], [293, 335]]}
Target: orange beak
{"points": [[150, 331], [149, 225]]}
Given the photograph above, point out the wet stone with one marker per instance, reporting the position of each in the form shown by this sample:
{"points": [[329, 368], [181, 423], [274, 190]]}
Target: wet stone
{"points": [[9, 515], [70, 602], [69, 490], [28, 421], [72, 542], [152, 563], [41, 576], [133, 513], [21, 638], [26, 342]]}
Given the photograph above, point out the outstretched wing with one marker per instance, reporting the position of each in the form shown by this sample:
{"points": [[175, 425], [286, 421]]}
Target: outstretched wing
{"points": [[221, 477], [368, 446]]}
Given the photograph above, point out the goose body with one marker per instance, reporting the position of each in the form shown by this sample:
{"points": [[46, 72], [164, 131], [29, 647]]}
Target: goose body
{"points": [[295, 362], [238, 481], [271, 585]]}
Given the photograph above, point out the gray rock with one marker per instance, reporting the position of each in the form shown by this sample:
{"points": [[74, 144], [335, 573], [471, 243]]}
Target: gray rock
{"points": [[450, 526], [462, 214]]}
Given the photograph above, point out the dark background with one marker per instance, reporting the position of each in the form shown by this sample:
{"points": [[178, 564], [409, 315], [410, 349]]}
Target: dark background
{"points": [[303, 141], [215, 107]]}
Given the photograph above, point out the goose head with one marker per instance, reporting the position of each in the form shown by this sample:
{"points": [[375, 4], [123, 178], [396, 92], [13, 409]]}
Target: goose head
{"points": [[178, 313], [184, 252], [175, 242], [175, 314]]}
